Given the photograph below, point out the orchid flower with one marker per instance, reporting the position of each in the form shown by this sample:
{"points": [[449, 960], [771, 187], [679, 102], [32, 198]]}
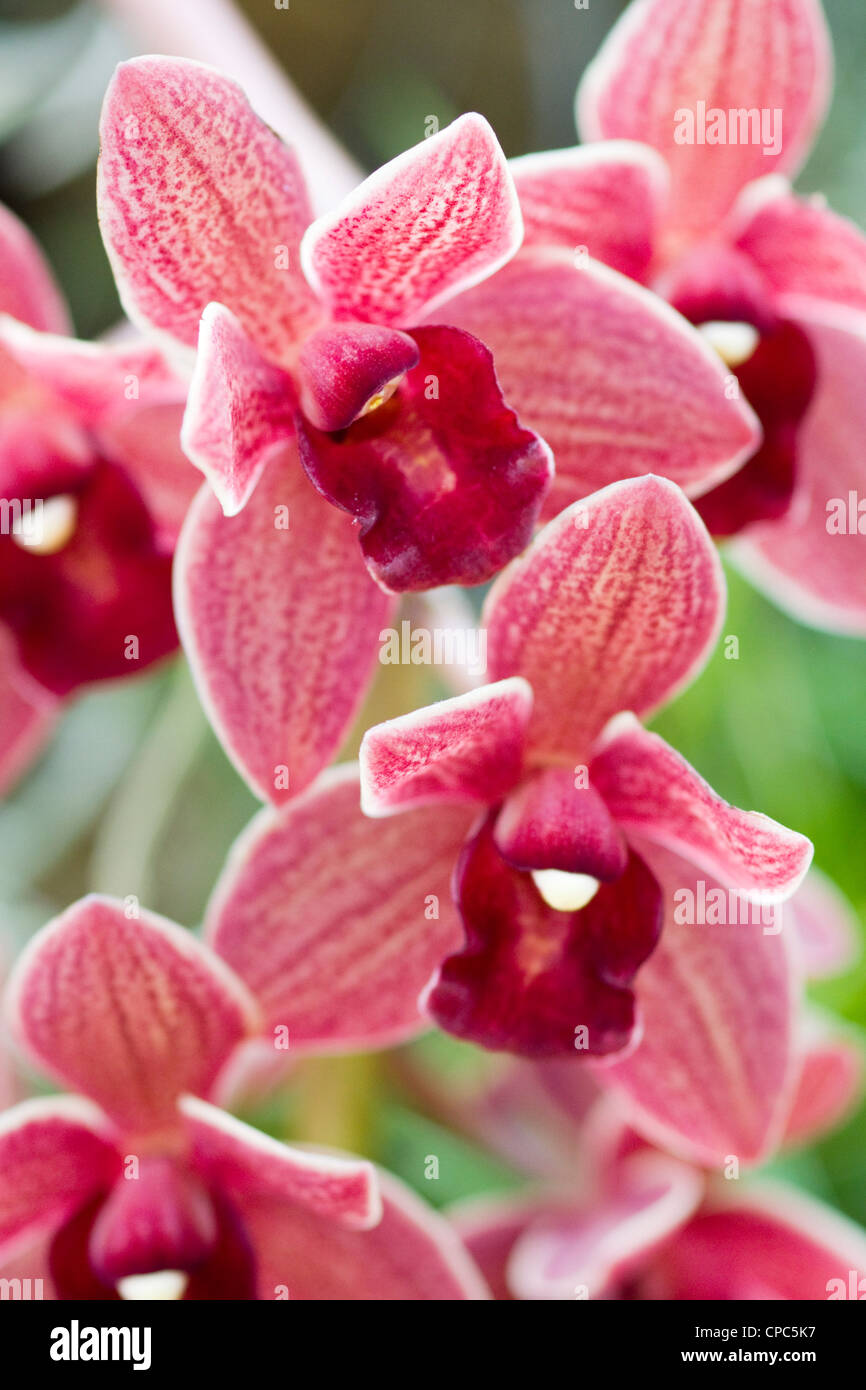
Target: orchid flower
{"points": [[618, 1219], [697, 113], [94, 488], [527, 786], [141, 1175], [328, 355]]}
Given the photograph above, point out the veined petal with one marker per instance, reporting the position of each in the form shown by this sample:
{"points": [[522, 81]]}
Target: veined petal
{"points": [[669, 65], [612, 378], [27, 288], [198, 201], [553, 821], [651, 790], [412, 1254], [599, 200], [800, 246], [446, 483], [336, 922], [240, 409], [536, 981], [811, 561], [616, 606], [592, 1249], [240, 1161], [469, 748], [435, 220], [771, 1243], [713, 1072], [54, 1155], [281, 626], [826, 929], [130, 1011]]}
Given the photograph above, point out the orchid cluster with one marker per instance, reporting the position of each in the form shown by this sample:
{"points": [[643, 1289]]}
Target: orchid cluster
{"points": [[573, 375]]}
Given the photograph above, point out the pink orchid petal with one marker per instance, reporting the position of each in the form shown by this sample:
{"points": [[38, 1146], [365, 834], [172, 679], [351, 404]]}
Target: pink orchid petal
{"points": [[653, 791], [600, 200], [336, 922], [153, 1012], [236, 1159], [666, 56], [32, 1262], [827, 931], [27, 288], [346, 367], [200, 201], [281, 627], [615, 381], [800, 246], [95, 380], [240, 409], [446, 483], [536, 981], [435, 220], [145, 443], [165, 1219], [412, 1254], [811, 562], [584, 1253], [469, 748], [829, 1086], [549, 823], [626, 586], [28, 714], [489, 1229], [712, 1073], [54, 1155], [774, 1243]]}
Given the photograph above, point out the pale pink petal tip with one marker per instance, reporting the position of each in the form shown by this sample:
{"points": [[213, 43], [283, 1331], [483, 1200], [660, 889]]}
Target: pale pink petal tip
{"points": [[27, 288]]}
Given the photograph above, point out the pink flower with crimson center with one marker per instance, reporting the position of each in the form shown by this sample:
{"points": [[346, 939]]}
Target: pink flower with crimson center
{"points": [[332, 353], [681, 189], [616, 606], [93, 487], [146, 1176]]}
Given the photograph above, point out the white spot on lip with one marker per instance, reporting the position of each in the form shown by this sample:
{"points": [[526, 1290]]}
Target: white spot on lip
{"points": [[50, 527], [565, 892], [167, 1285], [734, 342]]}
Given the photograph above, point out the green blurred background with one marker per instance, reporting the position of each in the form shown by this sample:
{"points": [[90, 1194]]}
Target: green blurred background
{"points": [[134, 795]]}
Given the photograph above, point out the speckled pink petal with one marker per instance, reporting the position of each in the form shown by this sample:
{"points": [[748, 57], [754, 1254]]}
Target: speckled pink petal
{"points": [[666, 56], [413, 1254], [713, 1072], [599, 200], [768, 1244], [812, 562], [240, 409], [199, 200], [346, 369], [433, 221], [55, 1155], [336, 922], [126, 1008], [651, 790], [548, 822], [616, 606], [612, 378], [539, 982], [446, 483], [469, 748], [239, 1161], [27, 288], [281, 625], [826, 927], [800, 246]]}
